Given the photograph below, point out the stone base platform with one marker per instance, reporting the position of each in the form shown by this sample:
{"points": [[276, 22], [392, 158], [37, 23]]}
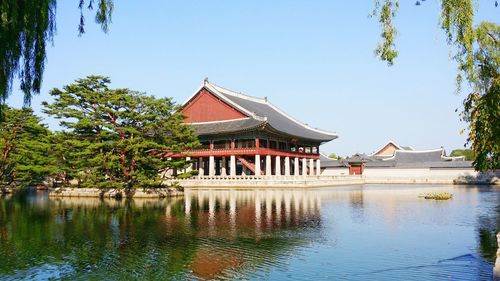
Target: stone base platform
{"points": [[318, 181], [263, 182]]}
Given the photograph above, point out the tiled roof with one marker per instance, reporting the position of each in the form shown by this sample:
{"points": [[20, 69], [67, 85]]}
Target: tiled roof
{"points": [[261, 110], [418, 159], [399, 147], [237, 125], [327, 162], [403, 156]]}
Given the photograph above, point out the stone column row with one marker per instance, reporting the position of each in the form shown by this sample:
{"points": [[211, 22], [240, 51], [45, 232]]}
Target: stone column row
{"points": [[211, 166], [314, 166]]}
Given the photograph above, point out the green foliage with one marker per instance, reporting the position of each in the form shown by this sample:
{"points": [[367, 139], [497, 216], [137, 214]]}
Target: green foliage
{"points": [[26, 26], [478, 59], [437, 195], [457, 20], [111, 131], [188, 174], [24, 146], [457, 17], [482, 106], [333, 156], [386, 11], [467, 153]]}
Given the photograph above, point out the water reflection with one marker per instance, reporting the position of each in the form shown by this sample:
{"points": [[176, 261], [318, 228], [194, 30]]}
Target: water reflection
{"points": [[254, 213], [354, 233], [207, 235]]}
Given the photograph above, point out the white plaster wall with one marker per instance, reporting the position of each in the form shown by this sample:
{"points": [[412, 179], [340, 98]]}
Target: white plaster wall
{"points": [[424, 173], [338, 171]]}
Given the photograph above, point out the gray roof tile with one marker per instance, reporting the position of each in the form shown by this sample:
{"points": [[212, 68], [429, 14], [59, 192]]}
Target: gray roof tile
{"points": [[277, 119], [237, 125]]}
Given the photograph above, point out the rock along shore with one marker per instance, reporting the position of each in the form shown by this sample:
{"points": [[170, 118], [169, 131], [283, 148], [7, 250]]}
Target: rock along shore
{"points": [[113, 193]]}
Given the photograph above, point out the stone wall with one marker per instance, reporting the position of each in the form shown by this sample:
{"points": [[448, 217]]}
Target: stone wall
{"points": [[418, 173], [337, 171], [268, 181]]}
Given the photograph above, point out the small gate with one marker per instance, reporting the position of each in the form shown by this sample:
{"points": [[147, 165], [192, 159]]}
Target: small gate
{"points": [[356, 169]]}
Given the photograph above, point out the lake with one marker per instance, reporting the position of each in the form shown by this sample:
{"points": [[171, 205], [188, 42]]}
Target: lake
{"points": [[377, 232]]}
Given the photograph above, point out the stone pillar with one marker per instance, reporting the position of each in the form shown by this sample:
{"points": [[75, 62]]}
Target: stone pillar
{"points": [[201, 169], [296, 170], [311, 167], [318, 168], [257, 165], [269, 169], [232, 166], [278, 166], [304, 167], [211, 166], [190, 167], [287, 166], [223, 171]]}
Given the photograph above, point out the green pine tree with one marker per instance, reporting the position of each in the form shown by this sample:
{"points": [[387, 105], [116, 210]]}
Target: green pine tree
{"points": [[110, 133], [24, 146]]}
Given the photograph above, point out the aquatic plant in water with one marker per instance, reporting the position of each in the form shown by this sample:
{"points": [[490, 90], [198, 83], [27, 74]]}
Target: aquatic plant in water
{"points": [[437, 195]]}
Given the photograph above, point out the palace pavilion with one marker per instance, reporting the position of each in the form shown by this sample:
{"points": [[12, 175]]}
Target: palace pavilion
{"points": [[244, 135]]}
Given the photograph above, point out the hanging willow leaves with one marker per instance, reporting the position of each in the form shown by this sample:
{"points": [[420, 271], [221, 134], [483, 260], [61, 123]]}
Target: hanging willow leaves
{"points": [[482, 106], [26, 27], [386, 11], [476, 52]]}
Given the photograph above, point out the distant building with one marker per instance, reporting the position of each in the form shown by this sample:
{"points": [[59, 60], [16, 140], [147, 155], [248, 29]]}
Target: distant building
{"points": [[244, 135], [333, 167], [389, 148], [399, 161]]}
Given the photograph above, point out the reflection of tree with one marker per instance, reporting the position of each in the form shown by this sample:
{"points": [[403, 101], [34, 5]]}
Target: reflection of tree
{"points": [[489, 226], [95, 240], [143, 239]]}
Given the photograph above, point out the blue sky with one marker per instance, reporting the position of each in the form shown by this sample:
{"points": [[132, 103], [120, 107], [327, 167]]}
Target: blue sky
{"points": [[313, 59]]}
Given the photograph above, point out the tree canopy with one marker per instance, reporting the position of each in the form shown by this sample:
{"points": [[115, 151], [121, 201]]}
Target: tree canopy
{"points": [[111, 131], [24, 147], [482, 106], [467, 153]]}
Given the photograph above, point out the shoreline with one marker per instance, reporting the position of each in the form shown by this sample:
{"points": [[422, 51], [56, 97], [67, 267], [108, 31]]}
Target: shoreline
{"points": [[323, 181], [257, 183]]}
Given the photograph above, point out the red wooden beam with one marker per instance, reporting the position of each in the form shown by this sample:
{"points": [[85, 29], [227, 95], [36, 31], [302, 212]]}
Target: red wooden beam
{"points": [[221, 152]]}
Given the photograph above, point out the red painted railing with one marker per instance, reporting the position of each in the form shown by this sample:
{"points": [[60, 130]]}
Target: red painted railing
{"points": [[221, 152]]}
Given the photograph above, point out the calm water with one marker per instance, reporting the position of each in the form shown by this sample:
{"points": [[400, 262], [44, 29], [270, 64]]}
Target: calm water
{"points": [[354, 233]]}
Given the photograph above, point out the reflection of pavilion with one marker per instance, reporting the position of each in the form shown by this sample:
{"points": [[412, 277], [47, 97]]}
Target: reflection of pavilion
{"points": [[247, 209], [243, 224]]}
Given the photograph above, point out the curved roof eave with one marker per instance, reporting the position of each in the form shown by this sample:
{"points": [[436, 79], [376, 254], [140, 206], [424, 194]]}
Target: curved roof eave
{"points": [[222, 92], [322, 140]]}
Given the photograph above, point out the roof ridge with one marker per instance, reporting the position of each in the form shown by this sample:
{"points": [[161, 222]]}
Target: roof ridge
{"points": [[220, 121], [383, 146], [237, 94], [419, 151]]}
